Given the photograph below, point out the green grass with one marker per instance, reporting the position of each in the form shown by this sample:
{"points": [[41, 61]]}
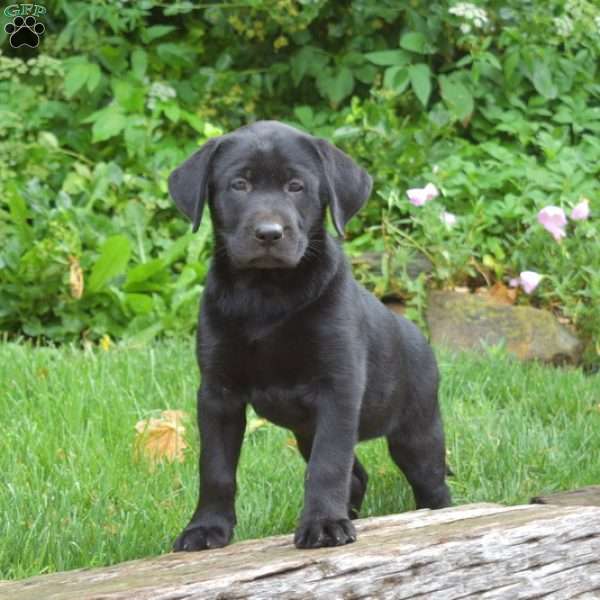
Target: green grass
{"points": [[72, 495]]}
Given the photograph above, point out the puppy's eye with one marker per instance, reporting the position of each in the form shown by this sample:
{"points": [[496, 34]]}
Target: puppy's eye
{"points": [[240, 185], [295, 186]]}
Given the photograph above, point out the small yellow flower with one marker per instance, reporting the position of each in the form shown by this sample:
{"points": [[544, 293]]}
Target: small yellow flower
{"points": [[236, 23], [105, 343], [280, 42]]}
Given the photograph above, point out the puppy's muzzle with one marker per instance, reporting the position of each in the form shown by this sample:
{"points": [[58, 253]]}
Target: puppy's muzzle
{"points": [[268, 233]]}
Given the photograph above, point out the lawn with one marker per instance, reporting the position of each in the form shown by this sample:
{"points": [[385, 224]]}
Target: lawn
{"points": [[73, 495]]}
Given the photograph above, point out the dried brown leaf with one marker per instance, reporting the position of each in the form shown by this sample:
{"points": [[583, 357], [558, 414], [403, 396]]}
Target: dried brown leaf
{"points": [[161, 439], [75, 277], [502, 294]]}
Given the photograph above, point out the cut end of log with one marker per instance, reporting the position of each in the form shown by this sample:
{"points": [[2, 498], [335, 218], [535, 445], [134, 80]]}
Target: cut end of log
{"points": [[587, 496]]}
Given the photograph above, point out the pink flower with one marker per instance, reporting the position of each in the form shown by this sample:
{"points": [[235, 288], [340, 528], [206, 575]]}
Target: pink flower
{"points": [[528, 280], [448, 219], [582, 211], [554, 220], [418, 196]]}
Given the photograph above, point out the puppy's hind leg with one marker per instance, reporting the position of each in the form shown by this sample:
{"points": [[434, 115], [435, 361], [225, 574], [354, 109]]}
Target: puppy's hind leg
{"points": [[420, 453], [358, 488], [358, 482]]}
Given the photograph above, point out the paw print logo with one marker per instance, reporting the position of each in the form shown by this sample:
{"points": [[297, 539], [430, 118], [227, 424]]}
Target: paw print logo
{"points": [[24, 32]]}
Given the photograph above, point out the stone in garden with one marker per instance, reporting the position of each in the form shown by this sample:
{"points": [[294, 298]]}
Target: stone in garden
{"points": [[462, 321]]}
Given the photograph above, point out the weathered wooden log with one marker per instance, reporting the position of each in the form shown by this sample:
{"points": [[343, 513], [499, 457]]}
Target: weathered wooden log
{"points": [[471, 551], [587, 496]]}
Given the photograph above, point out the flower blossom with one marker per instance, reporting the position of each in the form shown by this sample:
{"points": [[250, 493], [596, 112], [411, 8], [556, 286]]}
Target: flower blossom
{"points": [[528, 280], [448, 219], [554, 220], [477, 16], [581, 211], [564, 26], [161, 92], [419, 196]]}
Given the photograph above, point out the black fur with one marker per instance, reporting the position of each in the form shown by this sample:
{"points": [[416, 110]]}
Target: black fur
{"points": [[286, 328]]}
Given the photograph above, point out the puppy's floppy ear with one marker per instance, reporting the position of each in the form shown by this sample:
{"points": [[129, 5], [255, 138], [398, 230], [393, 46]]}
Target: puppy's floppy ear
{"points": [[188, 183], [348, 185]]}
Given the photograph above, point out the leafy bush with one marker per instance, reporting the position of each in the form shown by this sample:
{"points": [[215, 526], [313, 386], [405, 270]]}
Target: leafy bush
{"points": [[496, 103]]}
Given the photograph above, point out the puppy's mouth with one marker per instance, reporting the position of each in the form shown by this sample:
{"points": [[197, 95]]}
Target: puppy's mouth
{"points": [[275, 257], [268, 261]]}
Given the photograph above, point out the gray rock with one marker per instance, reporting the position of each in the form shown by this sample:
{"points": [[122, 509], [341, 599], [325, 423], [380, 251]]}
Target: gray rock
{"points": [[465, 322]]}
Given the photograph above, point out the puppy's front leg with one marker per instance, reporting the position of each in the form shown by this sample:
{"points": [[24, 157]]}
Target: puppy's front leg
{"points": [[324, 520], [221, 422]]}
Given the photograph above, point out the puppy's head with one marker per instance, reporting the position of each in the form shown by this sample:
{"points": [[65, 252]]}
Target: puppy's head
{"points": [[267, 185]]}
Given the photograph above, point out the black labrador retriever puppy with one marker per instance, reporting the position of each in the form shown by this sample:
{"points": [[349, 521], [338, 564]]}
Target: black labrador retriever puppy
{"points": [[286, 328]]}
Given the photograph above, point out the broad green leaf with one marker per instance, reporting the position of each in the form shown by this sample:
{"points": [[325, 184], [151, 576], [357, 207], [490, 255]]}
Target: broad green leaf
{"points": [[388, 57], [352, 59], [178, 8], [224, 61], [366, 73], [542, 81], [136, 138], [491, 59], [176, 54], [113, 57], [178, 247], [186, 297], [141, 304], [156, 31], [129, 94], [93, 78], [76, 77], [172, 112], [338, 86], [194, 121], [457, 97], [415, 41], [112, 261], [511, 62], [110, 123], [420, 80], [396, 78], [19, 212], [144, 271], [305, 115], [139, 63], [345, 132], [48, 139], [308, 60]]}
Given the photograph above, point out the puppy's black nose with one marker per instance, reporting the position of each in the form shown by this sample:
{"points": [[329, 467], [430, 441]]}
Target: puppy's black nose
{"points": [[268, 233]]}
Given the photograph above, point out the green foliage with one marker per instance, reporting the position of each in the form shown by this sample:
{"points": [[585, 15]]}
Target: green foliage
{"points": [[497, 103]]}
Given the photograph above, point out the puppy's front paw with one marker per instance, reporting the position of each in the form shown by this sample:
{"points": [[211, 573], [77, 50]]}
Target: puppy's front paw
{"points": [[316, 533], [202, 537]]}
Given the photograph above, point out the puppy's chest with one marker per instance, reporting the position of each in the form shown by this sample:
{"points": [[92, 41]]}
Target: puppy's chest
{"points": [[290, 407], [269, 363], [276, 376]]}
